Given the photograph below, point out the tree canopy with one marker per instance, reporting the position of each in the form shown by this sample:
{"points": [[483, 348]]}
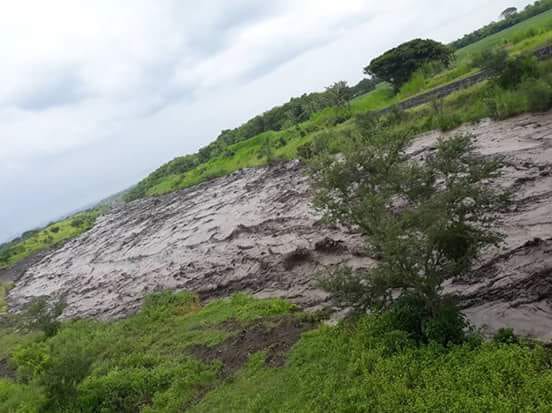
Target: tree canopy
{"points": [[509, 12], [397, 65]]}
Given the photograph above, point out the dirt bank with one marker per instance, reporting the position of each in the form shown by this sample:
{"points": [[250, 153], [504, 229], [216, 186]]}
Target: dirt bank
{"points": [[254, 231]]}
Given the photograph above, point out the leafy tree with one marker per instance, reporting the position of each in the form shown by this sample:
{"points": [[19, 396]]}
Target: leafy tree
{"points": [[426, 221], [339, 94], [509, 12], [397, 65]]}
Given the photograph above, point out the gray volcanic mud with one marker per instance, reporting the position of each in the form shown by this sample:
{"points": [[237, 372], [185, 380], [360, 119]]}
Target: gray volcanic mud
{"points": [[254, 231], [251, 231]]}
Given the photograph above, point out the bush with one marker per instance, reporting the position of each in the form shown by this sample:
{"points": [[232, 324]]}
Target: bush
{"points": [[443, 324], [16, 398], [42, 315], [124, 391], [539, 95], [516, 70], [427, 222], [447, 325], [305, 151], [505, 336], [503, 104]]}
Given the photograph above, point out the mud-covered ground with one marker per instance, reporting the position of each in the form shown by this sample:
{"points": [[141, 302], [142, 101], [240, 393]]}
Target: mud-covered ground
{"points": [[254, 231]]}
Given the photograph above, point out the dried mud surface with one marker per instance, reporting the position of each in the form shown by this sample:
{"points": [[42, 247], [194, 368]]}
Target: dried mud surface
{"points": [[254, 231]]}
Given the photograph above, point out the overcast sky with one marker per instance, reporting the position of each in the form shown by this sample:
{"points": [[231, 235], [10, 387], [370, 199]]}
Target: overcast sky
{"points": [[94, 95]]}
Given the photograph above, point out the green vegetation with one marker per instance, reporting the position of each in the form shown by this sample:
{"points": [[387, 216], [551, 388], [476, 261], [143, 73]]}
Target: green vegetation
{"points": [[240, 148], [139, 364], [47, 237], [511, 18], [415, 353], [364, 367], [4, 288], [147, 364], [427, 222], [531, 34], [397, 65]]}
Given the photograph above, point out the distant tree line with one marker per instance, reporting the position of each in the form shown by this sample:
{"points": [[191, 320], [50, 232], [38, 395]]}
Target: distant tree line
{"points": [[510, 18], [297, 110]]}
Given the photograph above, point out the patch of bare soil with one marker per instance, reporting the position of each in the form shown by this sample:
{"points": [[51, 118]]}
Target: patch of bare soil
{"points": [[275, 337]]}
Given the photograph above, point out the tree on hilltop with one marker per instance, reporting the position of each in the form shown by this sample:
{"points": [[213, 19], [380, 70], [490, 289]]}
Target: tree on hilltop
{"points": [[397, 65], [509, 12]]}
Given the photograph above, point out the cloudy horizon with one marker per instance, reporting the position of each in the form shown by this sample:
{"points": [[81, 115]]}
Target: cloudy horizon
{"points": [[95, 95]]}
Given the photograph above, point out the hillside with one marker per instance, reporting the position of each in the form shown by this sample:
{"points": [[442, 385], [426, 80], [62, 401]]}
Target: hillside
{"points": [[385, 247], [226, 155], [286, 130]]}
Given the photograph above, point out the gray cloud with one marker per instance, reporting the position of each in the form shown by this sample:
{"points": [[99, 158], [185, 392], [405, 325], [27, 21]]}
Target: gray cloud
{"points": [[61, 88]]}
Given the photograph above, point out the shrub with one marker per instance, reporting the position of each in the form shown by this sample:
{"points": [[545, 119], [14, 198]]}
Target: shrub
{"points": [[516, 70], [16, 398], [444, 325], [426, 222], [305, 151], [539, 95], [505, 336], [266, 151], [123, 390], [367, 122], [447, 325], [503, 104], [43, 315]]}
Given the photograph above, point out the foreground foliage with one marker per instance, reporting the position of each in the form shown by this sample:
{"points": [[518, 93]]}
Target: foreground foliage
{"points": [[363, 365], [139, 364]]}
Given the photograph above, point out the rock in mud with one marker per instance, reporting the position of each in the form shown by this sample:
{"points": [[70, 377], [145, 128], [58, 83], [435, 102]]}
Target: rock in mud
{"points": [[254, 231]]}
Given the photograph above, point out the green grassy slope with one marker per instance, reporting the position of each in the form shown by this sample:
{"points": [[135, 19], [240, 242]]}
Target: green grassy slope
{"points": [[155, 362], [47, 237], [529, 34], [523, 37]]}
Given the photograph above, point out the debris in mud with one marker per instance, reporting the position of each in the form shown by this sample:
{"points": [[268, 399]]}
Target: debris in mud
{"points": [[329, 245], [297, 257]]}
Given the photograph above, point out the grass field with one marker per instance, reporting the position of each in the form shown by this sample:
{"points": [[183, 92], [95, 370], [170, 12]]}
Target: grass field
{"points": [[47, 237], [156, 362], [526, 35]]}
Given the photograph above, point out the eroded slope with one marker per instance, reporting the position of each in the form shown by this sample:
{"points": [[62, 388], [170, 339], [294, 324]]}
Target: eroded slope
{"points": [[254, 231]]}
